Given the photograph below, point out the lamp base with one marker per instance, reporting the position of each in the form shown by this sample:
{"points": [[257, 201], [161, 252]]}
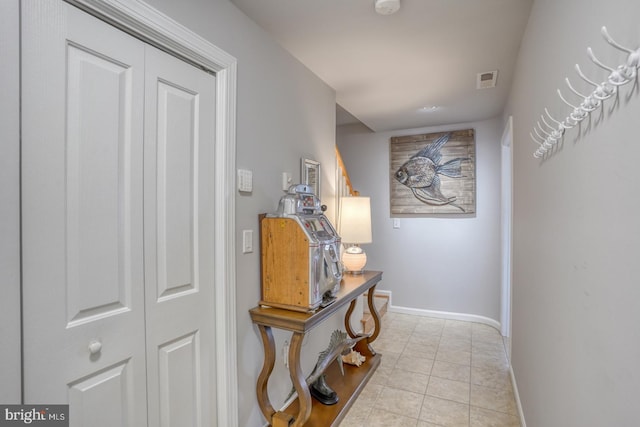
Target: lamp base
{"points": [[354, 259]]}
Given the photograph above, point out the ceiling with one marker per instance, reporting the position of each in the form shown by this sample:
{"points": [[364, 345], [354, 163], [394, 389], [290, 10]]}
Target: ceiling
{"points": [[389, 72]]}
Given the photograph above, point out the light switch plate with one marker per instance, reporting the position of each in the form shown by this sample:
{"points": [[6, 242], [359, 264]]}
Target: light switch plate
{"points": [[247, 241], [286, 180]]}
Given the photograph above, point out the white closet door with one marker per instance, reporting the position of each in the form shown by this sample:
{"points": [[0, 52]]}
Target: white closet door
{"points": [[179, 241], [82, 157], [118, 232]]}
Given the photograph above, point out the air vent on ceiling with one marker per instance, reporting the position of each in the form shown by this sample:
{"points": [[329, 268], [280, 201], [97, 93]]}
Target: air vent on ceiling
{"points": [[487, 79]]}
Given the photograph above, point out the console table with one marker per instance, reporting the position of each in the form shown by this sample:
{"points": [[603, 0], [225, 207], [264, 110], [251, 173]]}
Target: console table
{"points": [[304, 411]]}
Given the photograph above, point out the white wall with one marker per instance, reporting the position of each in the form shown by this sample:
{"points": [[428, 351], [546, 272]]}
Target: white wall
{"points": [[10, 391], [576, 271], [447, 263]]}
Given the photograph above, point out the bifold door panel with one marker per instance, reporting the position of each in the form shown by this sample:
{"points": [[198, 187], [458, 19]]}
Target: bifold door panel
{"points": [[117, 203]]}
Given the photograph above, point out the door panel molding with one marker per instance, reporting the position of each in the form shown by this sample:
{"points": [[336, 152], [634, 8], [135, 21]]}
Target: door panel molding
{"points": [[102, 214], [177, 170], [148, 24], [179, 369], [114, 382]]}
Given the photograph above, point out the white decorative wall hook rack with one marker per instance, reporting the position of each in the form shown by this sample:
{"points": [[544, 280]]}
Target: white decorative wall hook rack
{"points": [[547, 137]]}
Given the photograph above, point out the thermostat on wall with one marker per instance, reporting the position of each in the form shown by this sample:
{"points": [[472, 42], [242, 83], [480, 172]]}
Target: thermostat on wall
{"points": [[245, 180]]}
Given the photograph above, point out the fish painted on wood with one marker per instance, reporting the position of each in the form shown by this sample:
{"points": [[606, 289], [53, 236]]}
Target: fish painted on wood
{"points": [[421, 173]]}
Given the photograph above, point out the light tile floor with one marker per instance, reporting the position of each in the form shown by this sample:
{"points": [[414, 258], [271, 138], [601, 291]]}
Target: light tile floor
{"points": [[436, 373]]}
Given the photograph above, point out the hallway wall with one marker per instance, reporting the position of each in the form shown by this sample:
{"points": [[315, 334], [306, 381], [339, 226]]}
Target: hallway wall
{"points": [[576, 236], [445, 263]]}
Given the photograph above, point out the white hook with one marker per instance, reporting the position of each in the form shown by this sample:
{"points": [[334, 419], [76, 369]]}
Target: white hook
{"points": [[597, 61], [634, 55], [591, 103], [588, 104], [585, 78], [603, 91], [555, 135], [538, 134], [547, 124], [560, 125], [634, 59], [534, 139], [569, 122], [566, 79], [551, 117], [545, 144], [542, 130], [578, 114], [612, 42], [565, 101], [622, 75]]}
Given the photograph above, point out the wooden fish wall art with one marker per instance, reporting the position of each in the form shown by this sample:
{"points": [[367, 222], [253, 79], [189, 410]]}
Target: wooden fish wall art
{"points": [[433, 173]]}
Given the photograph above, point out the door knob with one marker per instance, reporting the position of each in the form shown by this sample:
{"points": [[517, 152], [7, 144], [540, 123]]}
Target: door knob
{"points": [[95, 346]]}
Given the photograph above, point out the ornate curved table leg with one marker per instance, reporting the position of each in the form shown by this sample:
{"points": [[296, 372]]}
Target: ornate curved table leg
{"points": [[376, 320], [298, 379], [267, 367], [374, 312], [347, 319]]}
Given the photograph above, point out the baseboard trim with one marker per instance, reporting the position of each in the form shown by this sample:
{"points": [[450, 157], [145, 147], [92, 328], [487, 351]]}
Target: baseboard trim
{"points": [[517, 396], [444, 315], [383, 293]]}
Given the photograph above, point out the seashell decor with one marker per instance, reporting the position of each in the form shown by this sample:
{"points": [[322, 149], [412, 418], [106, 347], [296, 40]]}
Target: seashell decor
{"points": [[354, 358]]}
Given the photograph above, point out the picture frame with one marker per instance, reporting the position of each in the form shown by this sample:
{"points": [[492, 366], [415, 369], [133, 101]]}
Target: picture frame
{"points": [[310, 174], [449, 189]]}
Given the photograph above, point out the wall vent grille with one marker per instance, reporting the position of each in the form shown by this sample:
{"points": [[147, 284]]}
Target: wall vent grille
{"points": [[487, 79]]}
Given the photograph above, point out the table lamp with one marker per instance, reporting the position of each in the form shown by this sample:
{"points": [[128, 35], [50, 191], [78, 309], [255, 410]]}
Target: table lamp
{"points": [[354, 227]]}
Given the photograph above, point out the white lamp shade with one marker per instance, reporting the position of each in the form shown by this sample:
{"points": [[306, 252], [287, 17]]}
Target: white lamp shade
{"points": [[354, 224]]}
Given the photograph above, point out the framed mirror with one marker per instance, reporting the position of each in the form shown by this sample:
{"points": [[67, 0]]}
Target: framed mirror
{"points": [[310, 174]]}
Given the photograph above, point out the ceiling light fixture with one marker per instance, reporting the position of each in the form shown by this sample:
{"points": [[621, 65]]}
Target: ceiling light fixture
{"points": [[428, 109], [387, 7]]}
